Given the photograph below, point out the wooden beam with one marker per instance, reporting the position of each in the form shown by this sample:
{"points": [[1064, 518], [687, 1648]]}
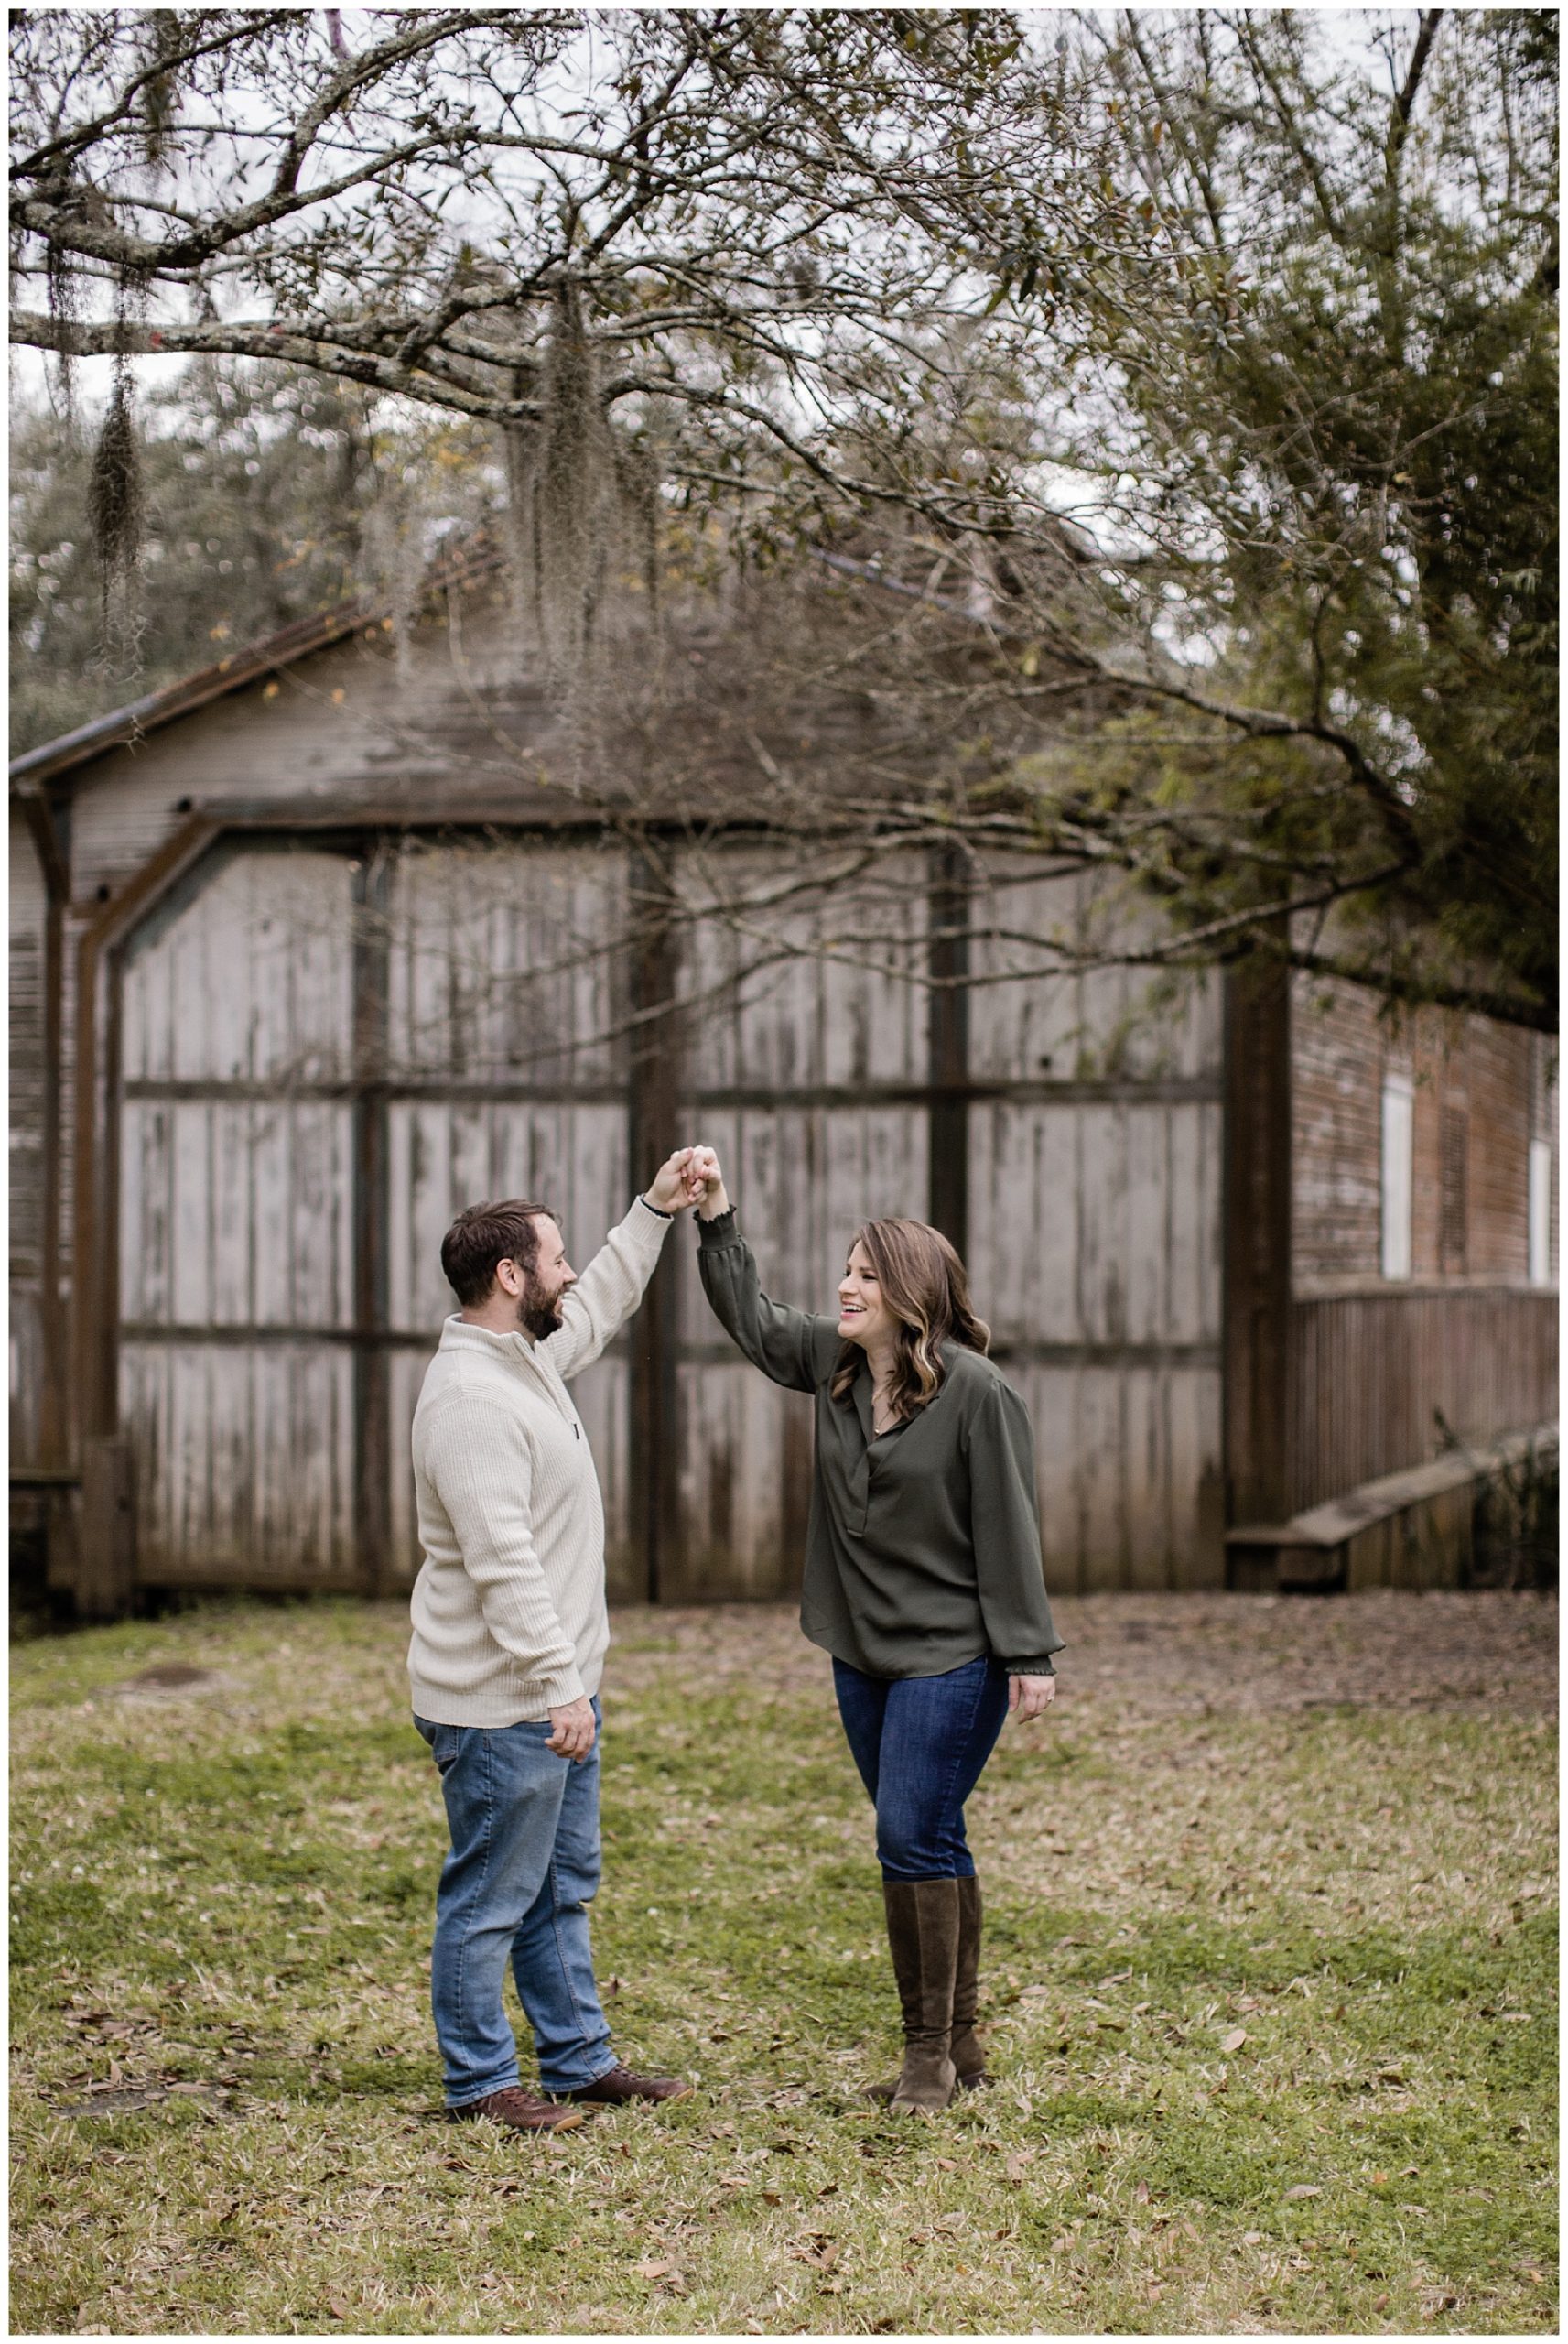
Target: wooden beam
{"points": [[36, 811], [948, 1112], [54, 1414], [654, 1102], [370, 892], [1257, 1239]]}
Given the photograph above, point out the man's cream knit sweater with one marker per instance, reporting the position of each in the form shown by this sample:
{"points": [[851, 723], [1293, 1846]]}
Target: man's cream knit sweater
{"points": [[508, 1610]]}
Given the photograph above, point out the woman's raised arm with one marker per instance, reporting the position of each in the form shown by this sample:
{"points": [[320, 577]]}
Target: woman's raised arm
{"points": [[791, 1346]]}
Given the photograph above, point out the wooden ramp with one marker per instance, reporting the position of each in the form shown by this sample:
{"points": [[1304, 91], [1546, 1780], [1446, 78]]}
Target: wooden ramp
{"points": [[1411, 1529]]}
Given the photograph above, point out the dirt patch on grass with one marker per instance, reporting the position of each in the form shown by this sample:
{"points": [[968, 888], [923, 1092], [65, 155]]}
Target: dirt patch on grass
{"points": [[1157, 1655], [172, 1681]]}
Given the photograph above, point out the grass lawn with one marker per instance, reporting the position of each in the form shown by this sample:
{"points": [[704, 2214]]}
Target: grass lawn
{"points": [[1271, 1992]]}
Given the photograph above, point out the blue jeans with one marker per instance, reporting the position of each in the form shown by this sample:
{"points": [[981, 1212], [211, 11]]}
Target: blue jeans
{"points": [[920, 1743], [516, 1886]]}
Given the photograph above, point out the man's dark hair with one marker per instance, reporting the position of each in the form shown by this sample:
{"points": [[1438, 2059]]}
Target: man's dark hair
{"points": [[485, 1235]]}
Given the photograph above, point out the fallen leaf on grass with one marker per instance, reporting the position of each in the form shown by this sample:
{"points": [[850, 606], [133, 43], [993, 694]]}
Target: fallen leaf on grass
{"points": [[653, 2270], [1235, 2039], [1303, 2189]]}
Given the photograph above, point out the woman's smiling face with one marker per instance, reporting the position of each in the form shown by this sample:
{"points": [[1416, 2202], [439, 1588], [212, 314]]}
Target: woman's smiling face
{"points": [[863, 1314]]}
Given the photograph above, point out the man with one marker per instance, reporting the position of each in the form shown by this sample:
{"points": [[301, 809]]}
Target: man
{"points": [[510, 1633]]}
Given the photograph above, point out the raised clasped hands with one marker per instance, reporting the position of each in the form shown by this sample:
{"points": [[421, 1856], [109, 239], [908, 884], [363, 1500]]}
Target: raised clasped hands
{"points": [[674, 1189], [686, 1178]]}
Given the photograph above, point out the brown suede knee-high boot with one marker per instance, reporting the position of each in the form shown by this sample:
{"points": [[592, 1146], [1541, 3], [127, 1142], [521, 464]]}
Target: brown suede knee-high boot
{"points": [[922, 1936], [965, 2050]]}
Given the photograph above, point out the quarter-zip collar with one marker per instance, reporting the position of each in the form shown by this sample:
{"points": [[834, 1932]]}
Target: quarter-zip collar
{"points": [[512, 1349], [458, 1333]]}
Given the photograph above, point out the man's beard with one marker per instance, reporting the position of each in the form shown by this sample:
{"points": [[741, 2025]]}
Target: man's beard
{"points": [[537, 1318]]}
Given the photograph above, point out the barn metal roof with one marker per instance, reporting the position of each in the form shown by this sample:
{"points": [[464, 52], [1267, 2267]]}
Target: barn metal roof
{"points": [[132, 723]]}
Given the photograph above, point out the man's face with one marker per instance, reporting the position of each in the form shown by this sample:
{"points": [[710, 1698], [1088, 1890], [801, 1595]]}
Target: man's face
{"points": [[539, 1303]]}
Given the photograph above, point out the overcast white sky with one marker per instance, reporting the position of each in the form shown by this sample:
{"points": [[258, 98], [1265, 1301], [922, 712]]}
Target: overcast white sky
{"points": [[1351, 32]]}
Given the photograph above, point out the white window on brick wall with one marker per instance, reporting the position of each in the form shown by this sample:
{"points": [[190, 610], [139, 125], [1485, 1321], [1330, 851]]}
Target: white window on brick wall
{"points": [[1540, 1212], [1398, 1163]]}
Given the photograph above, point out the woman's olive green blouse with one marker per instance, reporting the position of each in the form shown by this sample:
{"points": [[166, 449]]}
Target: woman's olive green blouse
{"points": [[923, 1549]]}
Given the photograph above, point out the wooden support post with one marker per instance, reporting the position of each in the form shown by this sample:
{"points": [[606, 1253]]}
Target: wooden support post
{"points": [[372, 1387], [653, 1108], [54, 1414], [51, 844], [106, 1557], [1257, 1248], [948, 1188]]}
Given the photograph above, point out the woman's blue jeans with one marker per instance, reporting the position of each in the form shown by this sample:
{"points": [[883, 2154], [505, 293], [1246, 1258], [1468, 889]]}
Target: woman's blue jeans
{"points": [[522, 1870], [920, 1743]]}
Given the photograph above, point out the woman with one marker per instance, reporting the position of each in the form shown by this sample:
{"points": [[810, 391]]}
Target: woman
{"points": [[922, 1579]]}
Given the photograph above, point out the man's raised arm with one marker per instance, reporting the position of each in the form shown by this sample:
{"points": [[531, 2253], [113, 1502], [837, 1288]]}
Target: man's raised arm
{"points": [[609, 1290]]}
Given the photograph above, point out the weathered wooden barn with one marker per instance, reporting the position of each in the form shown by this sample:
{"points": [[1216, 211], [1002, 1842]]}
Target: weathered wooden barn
{"points": [[303, 960]]}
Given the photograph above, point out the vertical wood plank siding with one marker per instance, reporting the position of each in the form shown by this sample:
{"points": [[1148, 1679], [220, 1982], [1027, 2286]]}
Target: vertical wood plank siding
{"points": [[506, 1076], [236, 1367], [787, 1070], [1368, 1370]]}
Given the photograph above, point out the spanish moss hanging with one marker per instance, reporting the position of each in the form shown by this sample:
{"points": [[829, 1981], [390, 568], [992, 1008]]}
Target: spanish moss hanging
{"points": [[116, 511]]}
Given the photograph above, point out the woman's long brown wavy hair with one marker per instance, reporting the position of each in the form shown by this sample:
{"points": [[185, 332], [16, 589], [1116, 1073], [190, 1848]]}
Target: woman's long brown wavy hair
{"points": [[927, 1291]]}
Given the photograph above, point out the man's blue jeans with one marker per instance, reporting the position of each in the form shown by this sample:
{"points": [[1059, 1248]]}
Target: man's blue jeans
{"points": [[522, 1870], [921, 1744]]}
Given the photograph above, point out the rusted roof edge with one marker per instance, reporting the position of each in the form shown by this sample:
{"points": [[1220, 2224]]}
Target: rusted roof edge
{"points": [[316, 632]]}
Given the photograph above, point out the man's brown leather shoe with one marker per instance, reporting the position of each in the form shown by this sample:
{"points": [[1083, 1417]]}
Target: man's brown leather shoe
{"points": [[614, 2089], [519, 2110]]}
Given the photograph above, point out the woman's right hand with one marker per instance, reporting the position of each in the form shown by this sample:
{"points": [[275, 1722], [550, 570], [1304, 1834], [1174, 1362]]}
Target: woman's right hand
{"points": [[705, 1167], [1029, 1696]]}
